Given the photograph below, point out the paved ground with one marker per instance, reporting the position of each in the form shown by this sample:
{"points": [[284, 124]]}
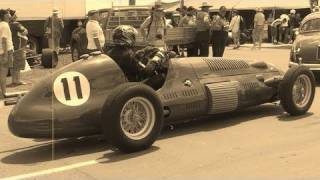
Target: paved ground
{"points": [[261, 142]]}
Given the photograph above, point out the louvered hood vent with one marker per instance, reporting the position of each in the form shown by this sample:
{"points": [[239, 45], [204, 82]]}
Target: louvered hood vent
{"points": [[220, 64]]}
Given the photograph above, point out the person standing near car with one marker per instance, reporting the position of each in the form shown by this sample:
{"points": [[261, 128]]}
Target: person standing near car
{"points": [[95, 35], [19, 39], [203, 31], [6, 50], [269, 22], [220, 27], [293, 24], [235, 28], [257, 34], [189, 20], [284, 29], [275, 29], [155, 25], [54, 28]]}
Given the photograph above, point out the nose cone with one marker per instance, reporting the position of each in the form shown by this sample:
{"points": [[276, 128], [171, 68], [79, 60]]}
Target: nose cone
{"points": [[31, 116]]}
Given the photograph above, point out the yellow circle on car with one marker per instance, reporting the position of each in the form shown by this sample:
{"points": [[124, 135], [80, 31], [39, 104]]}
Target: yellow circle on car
{"points": [[71, 88]]}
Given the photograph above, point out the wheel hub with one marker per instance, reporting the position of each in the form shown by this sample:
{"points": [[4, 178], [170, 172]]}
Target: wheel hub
{"points": [[137, 118]]}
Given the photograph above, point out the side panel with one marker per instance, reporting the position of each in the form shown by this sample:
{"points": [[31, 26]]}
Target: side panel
{"points": [[182, 92]]}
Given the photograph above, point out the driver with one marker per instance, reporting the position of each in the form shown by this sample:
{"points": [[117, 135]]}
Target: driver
{"points": [[139, 65]]}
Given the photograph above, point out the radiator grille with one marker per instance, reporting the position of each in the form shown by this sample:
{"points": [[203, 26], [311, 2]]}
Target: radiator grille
{"points": [[223, 97]]}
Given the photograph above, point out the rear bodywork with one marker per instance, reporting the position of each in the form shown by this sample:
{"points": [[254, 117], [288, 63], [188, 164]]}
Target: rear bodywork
{"points": [[194, 87]]}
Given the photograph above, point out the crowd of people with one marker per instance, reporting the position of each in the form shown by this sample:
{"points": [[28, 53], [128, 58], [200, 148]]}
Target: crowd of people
{"points": [[282, 29], [13, 40], [214, 29]]}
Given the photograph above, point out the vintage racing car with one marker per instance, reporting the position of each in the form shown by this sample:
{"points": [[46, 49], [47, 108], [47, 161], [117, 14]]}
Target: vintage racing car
{"points": [[305, 49], [93, 95]]}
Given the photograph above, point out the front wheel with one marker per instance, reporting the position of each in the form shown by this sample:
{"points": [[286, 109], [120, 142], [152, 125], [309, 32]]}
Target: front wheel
{"points": [[297, 90], [132, 117]]}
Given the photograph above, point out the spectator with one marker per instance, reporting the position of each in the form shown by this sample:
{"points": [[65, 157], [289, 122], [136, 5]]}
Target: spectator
{"points": [[95, 35], [259, 20], [154, 25], [269, 22], [235, 28], [189, 20], [19, 39], [54, 28], [175, 18], [294, 23], [220, 27], [182, 11], [6, 50], [79, 28], [203, 34], [284, 28], [275, 29]]}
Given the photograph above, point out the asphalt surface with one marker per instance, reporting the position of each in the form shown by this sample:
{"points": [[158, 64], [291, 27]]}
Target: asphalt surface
{"points": [[259, 143]]}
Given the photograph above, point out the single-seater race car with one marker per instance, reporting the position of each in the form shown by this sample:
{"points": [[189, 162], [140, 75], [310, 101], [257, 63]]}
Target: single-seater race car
{"points": [[93, 96]]}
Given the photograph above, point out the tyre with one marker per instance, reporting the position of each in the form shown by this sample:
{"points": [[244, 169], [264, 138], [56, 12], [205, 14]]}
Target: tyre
{"points": [[75, 52], [49, 58], [316, 75], [132, 117], [297, 90]]}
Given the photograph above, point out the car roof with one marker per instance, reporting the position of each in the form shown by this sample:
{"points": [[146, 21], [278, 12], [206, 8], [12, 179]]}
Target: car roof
{"points": [[315, 15]]}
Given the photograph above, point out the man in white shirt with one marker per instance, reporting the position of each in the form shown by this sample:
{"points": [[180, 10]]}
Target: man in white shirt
{"points": [[284, 28], [6, 50], [95, 35]]}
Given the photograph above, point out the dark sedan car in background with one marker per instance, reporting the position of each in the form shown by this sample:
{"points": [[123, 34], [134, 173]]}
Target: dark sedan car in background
{"points": [[305, 49]]}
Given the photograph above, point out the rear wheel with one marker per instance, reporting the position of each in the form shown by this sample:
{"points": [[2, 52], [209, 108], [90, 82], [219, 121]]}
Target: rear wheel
{"points": [[49, 58], [132, 117], [297, 90]]}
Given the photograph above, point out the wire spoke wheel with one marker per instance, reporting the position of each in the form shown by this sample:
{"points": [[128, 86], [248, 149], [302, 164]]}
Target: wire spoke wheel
{"points": [[302, 90], [137, 118]]}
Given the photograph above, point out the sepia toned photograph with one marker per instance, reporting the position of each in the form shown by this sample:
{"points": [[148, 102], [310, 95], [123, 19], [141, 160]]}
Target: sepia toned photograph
{"points": [[159, 89]]}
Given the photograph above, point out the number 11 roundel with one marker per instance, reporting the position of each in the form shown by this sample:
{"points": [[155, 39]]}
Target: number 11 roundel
{"points": [[71, 88]]}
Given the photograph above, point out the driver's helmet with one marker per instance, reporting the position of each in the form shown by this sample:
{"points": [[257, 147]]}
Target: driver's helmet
{"points": [[124, 35]]}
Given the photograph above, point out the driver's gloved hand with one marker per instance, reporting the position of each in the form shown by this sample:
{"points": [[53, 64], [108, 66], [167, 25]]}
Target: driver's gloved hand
{"points": [[150, 68]]}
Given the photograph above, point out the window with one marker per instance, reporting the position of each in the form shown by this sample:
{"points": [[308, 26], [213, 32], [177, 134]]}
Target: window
{"points": [[311, 25]]}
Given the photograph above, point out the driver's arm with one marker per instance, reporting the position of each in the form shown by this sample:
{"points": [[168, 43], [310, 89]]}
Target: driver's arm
{"points": [[155, 62]]}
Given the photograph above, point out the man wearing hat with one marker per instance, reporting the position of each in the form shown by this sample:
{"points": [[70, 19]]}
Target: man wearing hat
{"points": [[54, 28], [155, 25], [203, 27], [95, 35], [259, 20]]}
